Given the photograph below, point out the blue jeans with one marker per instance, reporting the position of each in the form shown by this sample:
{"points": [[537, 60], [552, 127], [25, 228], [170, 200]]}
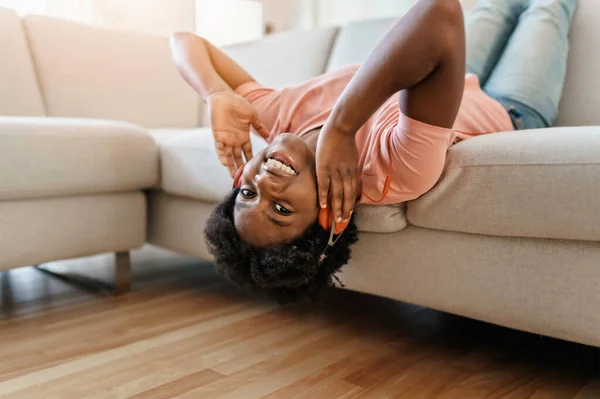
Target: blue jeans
{"points": [[518, 49]]}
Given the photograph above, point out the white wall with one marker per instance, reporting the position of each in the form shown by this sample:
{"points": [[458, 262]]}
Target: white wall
{"points": [[223, 21], [290, 14], [157, 16], [301, 14], [229, 21], [339, 12]]}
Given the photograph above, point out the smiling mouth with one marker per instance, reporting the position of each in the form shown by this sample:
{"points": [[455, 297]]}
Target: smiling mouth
{"points": [[282, 164]]}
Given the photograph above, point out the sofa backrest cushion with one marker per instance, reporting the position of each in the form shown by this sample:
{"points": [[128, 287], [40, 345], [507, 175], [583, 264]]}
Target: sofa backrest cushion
{"points": [[90, 72], [284, 59], [19, 92], [580, 103], [356, 40]]}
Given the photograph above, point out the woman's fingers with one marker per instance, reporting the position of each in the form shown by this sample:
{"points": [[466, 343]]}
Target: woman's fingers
{"points": [[227, 161], [337, 196], [258, 126], [323, 184], [238, 161], [349, 183], [247, 148], [225, 157], [341, 188]]}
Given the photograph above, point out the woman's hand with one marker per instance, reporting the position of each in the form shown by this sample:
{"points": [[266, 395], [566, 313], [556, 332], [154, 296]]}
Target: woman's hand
{"points": [[231, 117], [337, 161]]}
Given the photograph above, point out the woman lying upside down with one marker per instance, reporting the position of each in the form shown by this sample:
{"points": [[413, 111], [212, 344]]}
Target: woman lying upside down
{"points": [[374, 134]]}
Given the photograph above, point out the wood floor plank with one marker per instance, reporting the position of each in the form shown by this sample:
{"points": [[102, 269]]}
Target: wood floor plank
{"points": [[590, 391], [292, 365], [53, 374], [179, 386], [183, 358], [334, 389], [413, 377], [560, 385], [184, 332], [334, 373]]}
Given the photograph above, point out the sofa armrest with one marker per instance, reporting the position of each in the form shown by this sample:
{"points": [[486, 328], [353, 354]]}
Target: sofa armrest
{"points": [[538, 183], [47, 157]]}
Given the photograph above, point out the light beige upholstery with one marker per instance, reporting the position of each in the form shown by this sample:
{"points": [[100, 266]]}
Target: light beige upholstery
{"points": [[88, 72], [580, 101], [381, 219], [44, 230], [547, 287], [178, 223], [356, 41], [189, 165], [43, 157], [19, 93], [536, 183], [287, 58]]}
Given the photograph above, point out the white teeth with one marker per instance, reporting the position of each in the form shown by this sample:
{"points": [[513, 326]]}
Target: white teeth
{"points": [[275, 163]]}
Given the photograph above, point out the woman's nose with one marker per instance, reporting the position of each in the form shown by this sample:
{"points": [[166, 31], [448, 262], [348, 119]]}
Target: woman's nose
{"points": [[261, 179], [264, 181]]}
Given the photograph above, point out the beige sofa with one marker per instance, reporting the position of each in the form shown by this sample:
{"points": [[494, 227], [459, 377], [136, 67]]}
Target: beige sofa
{"points": [[510, 235]]}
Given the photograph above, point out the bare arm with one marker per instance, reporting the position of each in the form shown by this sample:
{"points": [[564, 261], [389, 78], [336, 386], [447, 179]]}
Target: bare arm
{"points": [[214, 75], [423, 57], [412, 51], [204, 67]]}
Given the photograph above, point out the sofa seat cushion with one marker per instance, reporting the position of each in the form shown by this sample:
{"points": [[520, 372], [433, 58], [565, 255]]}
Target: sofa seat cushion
{"points": [[190, 168], [538, 183], [50, 157]]}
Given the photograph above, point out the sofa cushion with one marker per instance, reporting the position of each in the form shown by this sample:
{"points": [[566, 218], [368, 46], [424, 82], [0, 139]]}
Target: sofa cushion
{"points": [[356, 41], [537, 183], [19, 93], [580, 103], [47, 229], [190, 168], [48, 157], [286, 58], [89, 72]]}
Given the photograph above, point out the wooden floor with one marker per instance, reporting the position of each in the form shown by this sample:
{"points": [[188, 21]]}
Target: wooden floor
{"points": [[182, 332]]}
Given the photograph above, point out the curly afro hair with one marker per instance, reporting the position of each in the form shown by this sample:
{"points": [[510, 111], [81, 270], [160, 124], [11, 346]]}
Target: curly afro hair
{"points": [[287, 273]]}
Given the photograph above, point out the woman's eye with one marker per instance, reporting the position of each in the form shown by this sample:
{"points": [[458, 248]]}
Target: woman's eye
{"points": [[247, 193], [280, 209]]}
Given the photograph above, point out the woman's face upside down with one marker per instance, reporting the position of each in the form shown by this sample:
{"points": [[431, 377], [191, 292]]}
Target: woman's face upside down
{"points": [[277, 201]]}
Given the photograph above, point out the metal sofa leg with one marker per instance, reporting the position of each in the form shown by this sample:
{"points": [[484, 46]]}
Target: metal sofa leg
{"points": [[121, 282]]}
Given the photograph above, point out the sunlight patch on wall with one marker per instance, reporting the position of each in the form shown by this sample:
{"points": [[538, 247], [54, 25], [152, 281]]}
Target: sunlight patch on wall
{"points": [[229, 21]]}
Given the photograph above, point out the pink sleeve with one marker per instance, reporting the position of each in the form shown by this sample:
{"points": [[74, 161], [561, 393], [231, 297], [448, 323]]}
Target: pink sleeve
{"points": [[267, 102], [418, 153]]}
